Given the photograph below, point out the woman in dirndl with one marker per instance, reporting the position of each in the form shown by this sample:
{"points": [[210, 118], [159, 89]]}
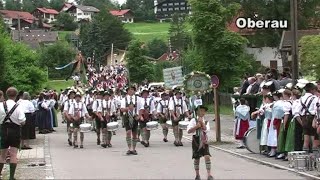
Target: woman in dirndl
{"points": [[287, 105], [27, 130], [274, 128], [242, 122]]}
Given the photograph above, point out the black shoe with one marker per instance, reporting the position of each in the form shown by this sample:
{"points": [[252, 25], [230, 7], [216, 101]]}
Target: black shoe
{"points": [[240, 147], [165, 140], [81, 146], [197, 178], [69, 142], [143, 143], [176, 144], [180, 144], [128, 152], [147, 144], [134, 152], [114, 133], [210, 178], [104, 145], [280, 156], [109, 145], [98, 142], [75, 146], [286, 158]]}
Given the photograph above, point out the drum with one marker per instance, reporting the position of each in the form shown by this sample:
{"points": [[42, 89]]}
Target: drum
{"points": [[251, 141], [292, 155], [152, 125], [86, 127], [301, 162], [183, 125], [169, 124], [112, 126]]}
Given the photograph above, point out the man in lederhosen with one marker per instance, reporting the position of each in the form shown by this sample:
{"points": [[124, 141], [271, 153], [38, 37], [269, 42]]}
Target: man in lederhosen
{"points": [[66, 107], [12, 117], [163, 114], [147, 113], [108, 110], [199, 127], [114, 117], [97, 110], [131, 106], [178, 110], [77, 112]]}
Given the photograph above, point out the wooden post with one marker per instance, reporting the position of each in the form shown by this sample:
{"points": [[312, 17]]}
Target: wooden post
{"points": [[217, 115]]}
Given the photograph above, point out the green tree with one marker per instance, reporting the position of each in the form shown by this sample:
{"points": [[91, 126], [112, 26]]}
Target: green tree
{"points": [[1, 5], [13, 5], [139, 67], [100, 4], [59, 54], [177, 32], [309, 55], [143, 10], [66, 22], [31, 5], [221, 51], [104, 30], [156, 47], [57, 4], [21, 68]]}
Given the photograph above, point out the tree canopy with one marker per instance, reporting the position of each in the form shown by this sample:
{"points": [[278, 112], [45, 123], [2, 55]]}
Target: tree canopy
{"points": [[218, 50], [66, 22], [143, 10], [177, 33], [100, 4], [13, 5], [309, 55], [31, 5], [156, 47], [104, 30], [56, 4]]}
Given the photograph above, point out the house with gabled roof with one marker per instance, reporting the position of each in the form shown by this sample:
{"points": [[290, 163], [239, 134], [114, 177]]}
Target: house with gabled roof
{"points": [[11, 18], [80, 12], [47, 15], [125, 15]]}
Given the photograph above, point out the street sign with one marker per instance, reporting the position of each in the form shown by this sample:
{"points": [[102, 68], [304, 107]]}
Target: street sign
{"points": [[173, 77], [215, 81]]}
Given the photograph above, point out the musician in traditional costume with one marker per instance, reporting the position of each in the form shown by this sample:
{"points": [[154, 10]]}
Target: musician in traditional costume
{"points": [[178, 110], [147, 115], [130, 107], [97, 110], [274, 128], [77, 112], [200, 128], [307, 106], [114, 117], [287, 108], [108, 110], [164, 114], [242, 122], [66, 108]]}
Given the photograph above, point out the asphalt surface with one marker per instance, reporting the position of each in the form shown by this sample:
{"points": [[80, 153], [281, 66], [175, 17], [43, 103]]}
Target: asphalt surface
{"points": [[159, 161]]}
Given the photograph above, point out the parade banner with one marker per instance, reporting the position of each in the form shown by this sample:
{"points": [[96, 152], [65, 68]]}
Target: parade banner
{"points": [[173, 77], [197, 83]]}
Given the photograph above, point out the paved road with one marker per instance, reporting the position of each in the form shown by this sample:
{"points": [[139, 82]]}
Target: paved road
{"points": [[159, 161]]}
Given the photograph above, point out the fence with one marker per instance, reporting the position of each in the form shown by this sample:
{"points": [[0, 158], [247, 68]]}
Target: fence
{"points": [[224, 99]]}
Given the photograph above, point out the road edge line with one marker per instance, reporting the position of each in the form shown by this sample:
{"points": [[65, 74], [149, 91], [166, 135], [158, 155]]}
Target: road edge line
{"points": [[276, 166], [47, 157]]}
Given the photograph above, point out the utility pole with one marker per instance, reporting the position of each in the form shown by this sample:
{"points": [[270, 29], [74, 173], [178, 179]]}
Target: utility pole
{"points": [[170, 49], [111, 54], [294, 46], [19, 28]]}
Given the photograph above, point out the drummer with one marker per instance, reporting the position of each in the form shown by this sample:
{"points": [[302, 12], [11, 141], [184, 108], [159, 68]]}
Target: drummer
{"points": [[108, 110], [147, 114], [66, 107], [163, 114], [77, 112], [178, 110], [97, 110], [130, 106], [199, 127]]}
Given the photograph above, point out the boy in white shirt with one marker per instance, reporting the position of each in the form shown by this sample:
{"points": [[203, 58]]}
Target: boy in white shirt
{"points": [[200, 148]]}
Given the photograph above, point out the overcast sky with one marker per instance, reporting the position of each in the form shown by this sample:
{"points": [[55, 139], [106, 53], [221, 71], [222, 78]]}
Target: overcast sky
{"points": [[121, 1]]}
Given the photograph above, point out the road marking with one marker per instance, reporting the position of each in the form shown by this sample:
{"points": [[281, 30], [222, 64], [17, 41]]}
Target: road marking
{"points": [[49, 168]]}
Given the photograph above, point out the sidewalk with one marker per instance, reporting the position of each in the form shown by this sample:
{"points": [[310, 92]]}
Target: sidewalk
{"points": [[229, 144], [31, 163]]}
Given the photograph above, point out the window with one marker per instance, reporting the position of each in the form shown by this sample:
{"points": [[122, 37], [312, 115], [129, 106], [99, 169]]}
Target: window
{"points": [[170, 4], [177, 9], [176, 4], [170, 9], [182, 3], [165, 4], [164, 9], [79, 14], [159, 10], [183, 8]]}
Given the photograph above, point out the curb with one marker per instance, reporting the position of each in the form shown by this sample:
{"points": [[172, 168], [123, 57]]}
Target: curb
{"points": [[276, 166], [47, 157]]}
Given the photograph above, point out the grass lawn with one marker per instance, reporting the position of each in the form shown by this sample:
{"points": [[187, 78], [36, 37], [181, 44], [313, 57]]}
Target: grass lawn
{"points": [[225, 110], [62, 34], [147, 31], [59, 84]]}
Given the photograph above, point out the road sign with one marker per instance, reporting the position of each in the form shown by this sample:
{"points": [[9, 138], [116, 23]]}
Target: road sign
{"points": [[215, 81]]}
